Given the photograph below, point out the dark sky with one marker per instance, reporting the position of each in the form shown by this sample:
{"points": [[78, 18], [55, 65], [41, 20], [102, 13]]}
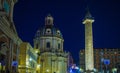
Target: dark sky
{"points": [[29, 15]]}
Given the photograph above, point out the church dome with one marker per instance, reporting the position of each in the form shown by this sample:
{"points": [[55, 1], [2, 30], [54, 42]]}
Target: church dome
{"points": [[49, 29]]}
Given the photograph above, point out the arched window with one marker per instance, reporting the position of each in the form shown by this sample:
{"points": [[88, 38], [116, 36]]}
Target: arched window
{"points": [[48, 45]]}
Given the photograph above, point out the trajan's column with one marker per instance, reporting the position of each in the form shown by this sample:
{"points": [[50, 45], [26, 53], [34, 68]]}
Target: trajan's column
{"points": [[89, 58]]}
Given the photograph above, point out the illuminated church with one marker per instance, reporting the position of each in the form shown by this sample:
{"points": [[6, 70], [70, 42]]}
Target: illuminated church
{"points": [[48, 44]]}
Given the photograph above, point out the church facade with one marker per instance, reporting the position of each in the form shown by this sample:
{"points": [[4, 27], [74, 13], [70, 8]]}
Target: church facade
{"points": [[48, 44]]}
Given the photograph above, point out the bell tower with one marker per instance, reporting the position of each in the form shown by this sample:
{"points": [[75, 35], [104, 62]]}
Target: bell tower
{"points": [[89, 58]]}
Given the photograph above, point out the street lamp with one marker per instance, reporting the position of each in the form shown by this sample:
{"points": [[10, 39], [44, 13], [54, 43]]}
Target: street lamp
{"points": [[47, 70], [30, 59]]}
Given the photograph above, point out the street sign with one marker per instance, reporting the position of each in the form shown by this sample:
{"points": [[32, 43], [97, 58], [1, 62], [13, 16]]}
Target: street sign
{"points": [[106, 61], [14, 63]]}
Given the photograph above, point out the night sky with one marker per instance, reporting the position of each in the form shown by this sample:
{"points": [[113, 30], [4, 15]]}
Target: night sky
{"points": [[29, 15]]}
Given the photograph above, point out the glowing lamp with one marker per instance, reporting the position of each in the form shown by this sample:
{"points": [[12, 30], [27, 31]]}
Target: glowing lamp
{"points": [[30, 59], [47, 70]]}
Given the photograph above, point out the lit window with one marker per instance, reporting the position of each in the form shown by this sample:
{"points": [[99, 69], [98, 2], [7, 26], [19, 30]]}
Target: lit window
{"points": [[47, 70]]}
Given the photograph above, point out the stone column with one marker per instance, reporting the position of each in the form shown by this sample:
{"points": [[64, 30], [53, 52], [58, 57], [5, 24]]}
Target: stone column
{"points": [[89, 58]]}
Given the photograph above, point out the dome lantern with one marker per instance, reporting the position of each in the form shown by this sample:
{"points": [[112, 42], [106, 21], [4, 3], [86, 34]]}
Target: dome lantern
{"points": [[49, 20]]}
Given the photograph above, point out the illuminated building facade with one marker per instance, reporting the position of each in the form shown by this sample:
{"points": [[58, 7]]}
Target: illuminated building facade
{"points": [[101, 54], [9, 40], [82, 59], [27, 59], [48, 43], [89, 58]]}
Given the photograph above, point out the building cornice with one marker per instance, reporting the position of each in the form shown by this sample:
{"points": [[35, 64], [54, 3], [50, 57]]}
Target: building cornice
{"points": [[5, 29], [53, 38]]}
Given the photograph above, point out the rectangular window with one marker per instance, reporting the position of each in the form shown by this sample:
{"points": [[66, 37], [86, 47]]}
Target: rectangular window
{"points": [[37, 46], [59, 46], [48, 45]]}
